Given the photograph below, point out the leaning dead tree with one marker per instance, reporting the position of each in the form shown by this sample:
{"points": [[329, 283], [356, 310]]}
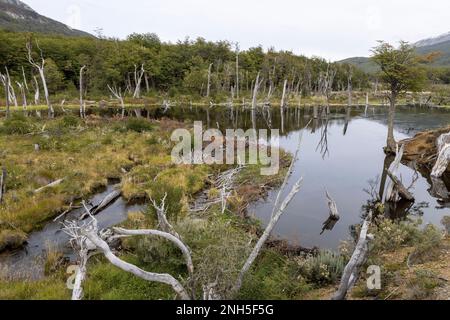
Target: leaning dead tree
{"points": [[82, 105], [443, 160], [5, 81], [40, 67], [359, 256], [117, 92]]}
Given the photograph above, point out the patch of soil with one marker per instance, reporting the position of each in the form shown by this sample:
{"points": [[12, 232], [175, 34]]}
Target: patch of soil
{"points": [[422, 149]]}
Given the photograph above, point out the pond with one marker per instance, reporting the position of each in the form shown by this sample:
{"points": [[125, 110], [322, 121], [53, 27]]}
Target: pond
{"points": [[342, 154]]}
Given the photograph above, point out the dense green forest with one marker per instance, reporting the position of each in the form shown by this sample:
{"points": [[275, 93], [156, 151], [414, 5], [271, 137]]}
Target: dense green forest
{"points": [[173, 68]]}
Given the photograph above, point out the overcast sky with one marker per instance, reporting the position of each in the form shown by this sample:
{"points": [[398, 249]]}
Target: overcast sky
{"points": [[333, 29]]}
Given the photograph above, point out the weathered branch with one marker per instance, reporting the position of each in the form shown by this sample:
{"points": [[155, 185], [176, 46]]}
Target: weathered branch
{"points": [[82, 106], [356, 261], [402, 191], [128, 267], [50, 185], [273, 222]]}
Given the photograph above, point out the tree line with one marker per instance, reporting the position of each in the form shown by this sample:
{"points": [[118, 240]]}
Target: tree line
{"points": [[195, 67]]}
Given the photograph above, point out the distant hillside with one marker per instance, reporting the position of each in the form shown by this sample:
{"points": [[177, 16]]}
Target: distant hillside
{"points": [[438, 44], [17, 16], [365, 64]]}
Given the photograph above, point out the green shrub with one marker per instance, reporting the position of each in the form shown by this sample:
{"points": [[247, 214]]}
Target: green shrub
{"points": [[16, 124], [138, 125], [69, 121], [422, 285], [324, 268]]}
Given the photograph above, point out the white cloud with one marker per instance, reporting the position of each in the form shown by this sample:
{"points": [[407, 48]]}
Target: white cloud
{"points": [[329, 28]]}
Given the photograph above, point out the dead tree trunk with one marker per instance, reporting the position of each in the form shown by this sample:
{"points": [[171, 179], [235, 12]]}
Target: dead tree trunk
{"points": [[402, 191], [237, 73], [36, 92], [208, 88], [255, 92], [390, 143], [82, 106], [118, 94], [41, 69], [358, 258], [443, 147], [283, 97], [2, 184], [24, 95], [349, 86], [138, 80], [5, 81]]}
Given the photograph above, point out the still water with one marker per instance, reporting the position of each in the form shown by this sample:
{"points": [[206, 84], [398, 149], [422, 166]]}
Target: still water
{"points": [[341, 153]]}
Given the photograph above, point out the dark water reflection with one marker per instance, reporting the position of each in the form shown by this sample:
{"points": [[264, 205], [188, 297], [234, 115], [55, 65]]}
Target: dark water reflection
{"points": [[342, 153]]}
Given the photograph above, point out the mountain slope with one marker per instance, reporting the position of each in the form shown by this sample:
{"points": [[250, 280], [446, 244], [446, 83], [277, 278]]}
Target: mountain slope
{"points": [[17, 16], [438, 44]]}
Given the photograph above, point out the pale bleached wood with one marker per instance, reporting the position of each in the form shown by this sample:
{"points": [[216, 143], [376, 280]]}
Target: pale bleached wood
{"points": [[41, 70], [262, 240], [128, 267], [82, 106], [402, 191], [351, 270], [117, 92], [50, 185], [184, 249], [391, 194], [2, 184], [443, 160]]}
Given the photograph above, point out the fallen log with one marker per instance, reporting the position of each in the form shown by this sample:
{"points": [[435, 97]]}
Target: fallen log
{"points": [[50, 185], [358, 258], [110, 198], [402, 191]]}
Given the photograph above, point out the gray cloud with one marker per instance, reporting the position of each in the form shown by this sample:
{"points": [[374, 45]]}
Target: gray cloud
{"points": [[332, 29]]}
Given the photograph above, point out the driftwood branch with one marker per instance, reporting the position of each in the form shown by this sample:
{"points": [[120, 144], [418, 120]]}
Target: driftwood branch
{"points": [[358, 258], [50, 185], [391, 194], [402, 191], [110, 198]]}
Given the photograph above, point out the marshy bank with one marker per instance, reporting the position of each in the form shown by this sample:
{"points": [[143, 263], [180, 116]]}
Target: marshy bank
{"points": [[340, 152]]}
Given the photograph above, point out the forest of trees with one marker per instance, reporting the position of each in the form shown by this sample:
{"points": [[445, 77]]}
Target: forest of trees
{"points": [[185, 67]]}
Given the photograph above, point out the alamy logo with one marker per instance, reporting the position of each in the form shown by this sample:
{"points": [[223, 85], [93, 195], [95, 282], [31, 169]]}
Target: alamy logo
{"points": [[236, 147]]}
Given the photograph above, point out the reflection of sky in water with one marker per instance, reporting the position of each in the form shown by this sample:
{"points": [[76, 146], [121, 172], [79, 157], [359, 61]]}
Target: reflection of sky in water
{"points": [[353, 160]]}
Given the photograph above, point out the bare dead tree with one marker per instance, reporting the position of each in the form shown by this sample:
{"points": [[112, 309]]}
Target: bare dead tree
{"points": [[24, 95], [255, 91], [25, 82], [208, 87], [117, 92], [237, 71], [283, 97], [138, 80], [349, 85], [82, 105], [40, 67], [5, 82], [36, 91]]}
